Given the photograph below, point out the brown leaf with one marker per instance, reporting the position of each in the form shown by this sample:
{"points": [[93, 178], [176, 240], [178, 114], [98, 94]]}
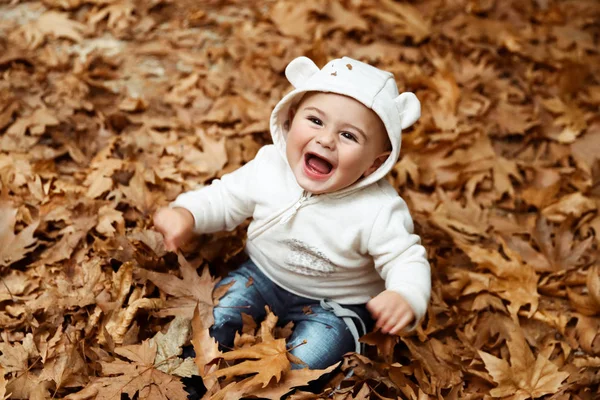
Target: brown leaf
{"points": [[441, 371], [268, 360], [139, 375], [292, 379], [571, 118], [169, 348], [544, 187], [138, 194], [107, 216], [65, 364], [188, 293], [572, 205], [294, 19], [526, 376], [404, 18], [514, 281], [3, 394], [14, 247], [206, 348], [385, 343], [50, 24], [35, 123]]}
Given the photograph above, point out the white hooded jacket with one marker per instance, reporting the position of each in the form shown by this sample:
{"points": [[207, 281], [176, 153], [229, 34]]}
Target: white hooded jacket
{"points": [[347, 246]]}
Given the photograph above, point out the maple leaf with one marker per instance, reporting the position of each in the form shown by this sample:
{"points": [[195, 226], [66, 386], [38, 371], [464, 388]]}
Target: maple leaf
{"points": [[404, 18], [72, 236], [526, 376], [294, 19], [99, 179], [268, 360], [385, 343], [292, 379], [14, 247], [120, 15], [544, 187], [51, 23], [571, 117], [3, 394], [120, 319], [558, 246], [503, 170], [432, 359], [107, 216], [206, 348], [138, 194], [513, 119], [513, 280], [17, 286], [36, 123], [140, 375], [169, 347], [589, 303], [466, 223], [25, 382], [64, 364], [345, 19], [574, 204], [82, 293], [587, 147], [190, 291], [209, 161]]}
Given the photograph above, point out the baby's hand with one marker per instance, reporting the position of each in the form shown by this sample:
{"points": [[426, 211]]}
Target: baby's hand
{"points": [[391, 312], [175, 224]]}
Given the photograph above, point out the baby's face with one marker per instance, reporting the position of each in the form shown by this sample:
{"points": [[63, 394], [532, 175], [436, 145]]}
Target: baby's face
{"points": [[333, 141]]}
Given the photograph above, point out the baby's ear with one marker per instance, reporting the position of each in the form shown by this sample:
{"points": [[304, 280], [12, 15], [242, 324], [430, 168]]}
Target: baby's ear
{"points": [[409, 107], [290, 118], [376, 164], [300, 70]]}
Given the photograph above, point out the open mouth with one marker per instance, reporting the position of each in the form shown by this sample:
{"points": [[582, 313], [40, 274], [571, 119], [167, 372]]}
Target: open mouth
{"points": [[316, 166]]}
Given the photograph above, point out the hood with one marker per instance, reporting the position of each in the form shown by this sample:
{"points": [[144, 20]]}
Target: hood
{"points": [[374, 88]]}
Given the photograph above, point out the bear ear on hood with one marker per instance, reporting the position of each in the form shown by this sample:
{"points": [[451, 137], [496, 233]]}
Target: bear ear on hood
{"points": [[409, 107], [300, 70]]}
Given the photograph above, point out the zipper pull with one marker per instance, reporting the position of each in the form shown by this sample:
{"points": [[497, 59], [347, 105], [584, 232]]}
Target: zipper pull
{"points": [[288, 215]]}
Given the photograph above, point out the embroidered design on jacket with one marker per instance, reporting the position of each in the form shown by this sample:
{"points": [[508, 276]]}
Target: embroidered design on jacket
{"points": [[306, 260]]}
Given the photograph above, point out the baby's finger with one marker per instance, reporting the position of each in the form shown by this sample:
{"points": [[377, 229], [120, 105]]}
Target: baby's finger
{"points": [[384, 320], [404, 321], [170, 243], [388, 323]]}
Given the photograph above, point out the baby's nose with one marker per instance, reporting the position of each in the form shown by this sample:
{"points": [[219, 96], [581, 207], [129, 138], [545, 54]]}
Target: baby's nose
{"points": [[326, 139]]}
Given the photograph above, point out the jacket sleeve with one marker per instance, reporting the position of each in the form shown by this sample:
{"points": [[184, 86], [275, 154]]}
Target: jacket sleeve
{"points": [[399, 257], [226, 202]]}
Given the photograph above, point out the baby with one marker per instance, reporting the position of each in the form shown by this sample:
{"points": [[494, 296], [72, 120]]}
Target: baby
{"points": [[331, 244]]}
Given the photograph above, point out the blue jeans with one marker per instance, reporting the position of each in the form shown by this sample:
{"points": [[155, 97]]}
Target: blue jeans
{"points": [[327, 336]]}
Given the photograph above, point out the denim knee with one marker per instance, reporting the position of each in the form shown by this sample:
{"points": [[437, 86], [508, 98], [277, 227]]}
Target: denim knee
{"points": [[320, 345], [225, 327]]}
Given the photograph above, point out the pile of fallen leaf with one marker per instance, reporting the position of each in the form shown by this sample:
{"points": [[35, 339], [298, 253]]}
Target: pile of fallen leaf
{"points": [[111, 108]]}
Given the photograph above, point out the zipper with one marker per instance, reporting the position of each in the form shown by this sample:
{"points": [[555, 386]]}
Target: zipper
{"points": [[290, 213], [282, 217]]}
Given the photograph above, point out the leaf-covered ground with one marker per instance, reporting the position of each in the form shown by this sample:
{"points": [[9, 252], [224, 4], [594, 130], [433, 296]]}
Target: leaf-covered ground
{"points": [[110, 108]]}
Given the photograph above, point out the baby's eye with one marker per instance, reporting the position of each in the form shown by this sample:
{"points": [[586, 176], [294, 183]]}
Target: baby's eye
{"points": [[315, 121], [350, 136]]}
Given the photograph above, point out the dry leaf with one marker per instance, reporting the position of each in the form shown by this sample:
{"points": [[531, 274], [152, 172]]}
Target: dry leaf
{"points": [[138, 375], [526, 376], [14, 247]]}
